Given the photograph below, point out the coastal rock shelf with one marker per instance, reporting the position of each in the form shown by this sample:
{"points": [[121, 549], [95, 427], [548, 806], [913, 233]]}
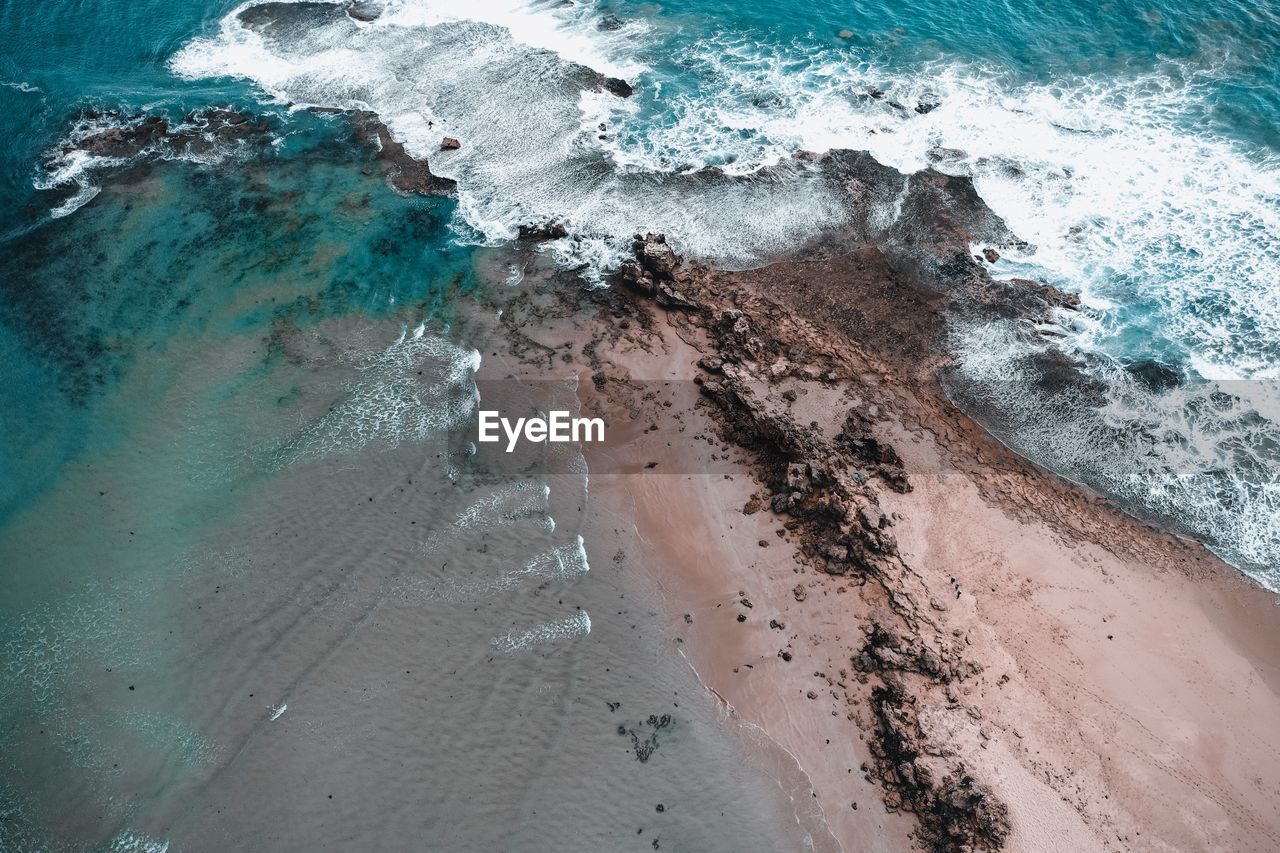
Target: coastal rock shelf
{"points": [[825, 490]]}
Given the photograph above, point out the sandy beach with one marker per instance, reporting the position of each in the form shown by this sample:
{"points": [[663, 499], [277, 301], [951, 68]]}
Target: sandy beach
{"points": [[1023, 665]]}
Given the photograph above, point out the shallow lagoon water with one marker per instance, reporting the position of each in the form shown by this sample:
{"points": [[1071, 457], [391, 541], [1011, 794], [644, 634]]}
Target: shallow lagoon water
{"points": [[273, 599]]}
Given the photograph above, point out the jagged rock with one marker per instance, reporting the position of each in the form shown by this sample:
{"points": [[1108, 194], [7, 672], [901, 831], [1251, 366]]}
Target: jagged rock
{"points": [[1047, 293], [618, 86], [668, 297], [124, 141], [550, 230], [658, 258], [449, 143], [955, 812], [634, 277], [858, 440], [939, 154], [113, 135], [406, 173], [886, 650]]}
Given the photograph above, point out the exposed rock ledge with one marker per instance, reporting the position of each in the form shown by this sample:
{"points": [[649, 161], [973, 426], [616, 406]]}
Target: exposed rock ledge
{"points": [[828, 490]]}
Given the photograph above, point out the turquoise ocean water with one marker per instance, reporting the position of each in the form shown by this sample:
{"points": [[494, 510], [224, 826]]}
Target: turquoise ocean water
{"points": [[149, 316]]}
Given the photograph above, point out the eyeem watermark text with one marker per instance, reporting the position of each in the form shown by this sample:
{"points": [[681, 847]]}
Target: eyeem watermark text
{"points": [[557, 427]]}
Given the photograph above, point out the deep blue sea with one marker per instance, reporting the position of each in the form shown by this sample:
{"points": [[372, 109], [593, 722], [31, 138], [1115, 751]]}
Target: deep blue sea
{"points": [[1133, 146]]}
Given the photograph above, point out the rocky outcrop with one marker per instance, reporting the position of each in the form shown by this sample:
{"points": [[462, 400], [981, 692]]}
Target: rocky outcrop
{"points": [[113, 135], [956, 812], [122, 140], [406, 173], [889, 650], [858, 440], [653, 273], [617, 86], [827, 492], [550, 230]]}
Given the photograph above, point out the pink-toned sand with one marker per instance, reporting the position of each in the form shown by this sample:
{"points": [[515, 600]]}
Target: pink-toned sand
{"points": [[1130, 693], [1128, 696]]}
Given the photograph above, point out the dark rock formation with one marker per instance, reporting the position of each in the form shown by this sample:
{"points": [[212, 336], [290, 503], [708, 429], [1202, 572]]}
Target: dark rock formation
{"points": [[617, 86], [550, 230], [653, 272], [268, 17], [406, 173], [825, 489], [956, 812], [1154, 376], [123, 141], [857, 439], [110, 134]]}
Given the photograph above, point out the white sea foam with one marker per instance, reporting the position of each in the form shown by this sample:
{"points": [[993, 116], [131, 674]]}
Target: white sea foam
{"points": [[1170, 233], [419, 386], [1200, 455], [67, 166], [1118, 194], [568, 628], [132, 842], [569, 30], [528, 153], [1103, 178], [523, 501], [563, 563]]}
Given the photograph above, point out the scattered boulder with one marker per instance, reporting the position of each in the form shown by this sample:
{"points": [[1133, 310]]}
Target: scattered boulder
{"points": [[449, 143], [364, 11], [618, 86], [552, 229]]}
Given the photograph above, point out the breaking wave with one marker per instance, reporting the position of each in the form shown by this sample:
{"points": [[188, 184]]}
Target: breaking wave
{"points": [[1120, 188]]}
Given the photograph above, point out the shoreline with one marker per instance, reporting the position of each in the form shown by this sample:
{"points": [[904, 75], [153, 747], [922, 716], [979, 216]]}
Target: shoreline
{"points": [[978, 638], [959, 648]]}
